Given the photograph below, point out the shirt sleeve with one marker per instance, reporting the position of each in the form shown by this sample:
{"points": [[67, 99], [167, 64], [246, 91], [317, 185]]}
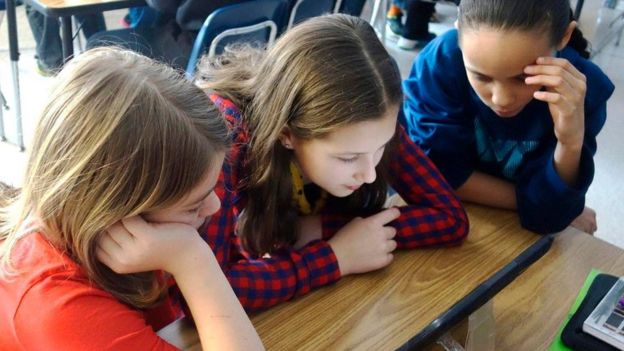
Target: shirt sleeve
{"points": [[433, 215], [546, 204], [73, 316], [435, 112], [263, 282]]}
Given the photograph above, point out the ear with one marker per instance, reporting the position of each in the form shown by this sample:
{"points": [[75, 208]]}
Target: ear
{"points": [[287, 138], [567, 35]]}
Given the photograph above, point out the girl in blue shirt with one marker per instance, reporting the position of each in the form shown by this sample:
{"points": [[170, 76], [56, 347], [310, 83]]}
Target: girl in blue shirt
{"points": [[508, 107]]}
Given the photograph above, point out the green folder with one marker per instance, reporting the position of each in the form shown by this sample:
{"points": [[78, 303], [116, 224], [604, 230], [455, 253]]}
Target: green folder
{"points": [[557, 344]]}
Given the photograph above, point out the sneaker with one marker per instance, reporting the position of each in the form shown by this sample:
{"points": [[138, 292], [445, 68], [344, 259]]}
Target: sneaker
{"points": [[44, 70], [412, 44], [394, 27], [126, 21]]}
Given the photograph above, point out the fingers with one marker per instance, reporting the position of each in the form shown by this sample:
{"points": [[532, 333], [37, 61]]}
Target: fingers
{"points": [[557, 75], [390, 232], [391, 245], [119, 234], [386, 216], [548, 96], [135, 225], [554, 66]]}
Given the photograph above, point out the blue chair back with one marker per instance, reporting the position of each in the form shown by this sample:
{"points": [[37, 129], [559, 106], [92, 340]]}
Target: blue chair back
{"points": [[304, 9], [256, 21]]}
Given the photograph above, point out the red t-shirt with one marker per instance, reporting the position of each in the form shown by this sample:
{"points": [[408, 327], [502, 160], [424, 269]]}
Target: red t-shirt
{"points": [[51, 305]]}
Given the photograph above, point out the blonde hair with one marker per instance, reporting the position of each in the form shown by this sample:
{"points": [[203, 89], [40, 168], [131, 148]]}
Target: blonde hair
{"points": [[120, 135], [323, 74]]}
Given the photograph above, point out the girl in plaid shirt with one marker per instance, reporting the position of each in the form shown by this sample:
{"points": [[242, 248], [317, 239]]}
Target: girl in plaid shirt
{"points": [[316, 146]]}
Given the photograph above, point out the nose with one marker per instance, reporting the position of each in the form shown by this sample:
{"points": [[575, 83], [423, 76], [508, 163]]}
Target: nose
{"points": [[367, 173], [502, 96], [211, 205]]}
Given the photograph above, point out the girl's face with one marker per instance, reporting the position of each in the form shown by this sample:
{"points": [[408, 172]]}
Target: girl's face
{"points": [[197, 206], [495, 61], [346, 158]]}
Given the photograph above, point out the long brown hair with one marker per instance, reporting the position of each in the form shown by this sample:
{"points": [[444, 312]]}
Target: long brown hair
{"points": [[323, 74], [120, 135]]}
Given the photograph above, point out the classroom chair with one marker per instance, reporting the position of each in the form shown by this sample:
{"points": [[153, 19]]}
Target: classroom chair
{"points": [[304, 9], [256, 21]]}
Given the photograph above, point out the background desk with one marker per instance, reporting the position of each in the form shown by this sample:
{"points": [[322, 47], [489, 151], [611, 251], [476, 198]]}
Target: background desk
{"points": [[385, 308], [62, 9]]}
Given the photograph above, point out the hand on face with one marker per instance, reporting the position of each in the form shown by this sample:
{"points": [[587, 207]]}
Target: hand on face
{"points": [[133, 245], [565, 95], [365, 244]]}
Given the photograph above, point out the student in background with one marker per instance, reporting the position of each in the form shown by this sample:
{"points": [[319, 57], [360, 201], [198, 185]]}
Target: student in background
{"points": [[146, 156], [413, 32], [316, 147], [508, 107], [168, 32], [46, 31]]}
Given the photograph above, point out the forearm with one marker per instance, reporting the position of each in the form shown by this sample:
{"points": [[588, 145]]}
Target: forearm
{"points": [[488, 190], [566, 161], [220, 319]]}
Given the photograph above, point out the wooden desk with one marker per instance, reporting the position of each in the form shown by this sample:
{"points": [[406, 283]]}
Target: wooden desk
{"points": [[384, 309], [530, 310]]}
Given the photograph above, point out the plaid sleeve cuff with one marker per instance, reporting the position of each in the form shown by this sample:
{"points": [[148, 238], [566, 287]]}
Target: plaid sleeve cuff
{"points": [[322, 264]]}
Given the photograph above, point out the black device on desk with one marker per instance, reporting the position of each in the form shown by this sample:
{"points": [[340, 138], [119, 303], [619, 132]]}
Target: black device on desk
{"points": [[480, 295]]}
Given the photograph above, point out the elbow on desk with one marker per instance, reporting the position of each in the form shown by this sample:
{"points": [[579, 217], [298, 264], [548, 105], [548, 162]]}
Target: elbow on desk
{"points": [[460, 229]]}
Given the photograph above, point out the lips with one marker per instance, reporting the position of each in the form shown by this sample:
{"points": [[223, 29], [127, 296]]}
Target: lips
{"points": [[506, 113], [354, 187]]}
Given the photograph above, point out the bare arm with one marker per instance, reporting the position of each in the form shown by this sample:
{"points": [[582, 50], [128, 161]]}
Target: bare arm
{"points": [[133, 245], [488, 190], [220, 319]]}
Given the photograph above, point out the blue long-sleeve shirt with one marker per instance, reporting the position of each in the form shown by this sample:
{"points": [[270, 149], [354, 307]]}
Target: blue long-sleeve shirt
{"points": [[448, 120]]}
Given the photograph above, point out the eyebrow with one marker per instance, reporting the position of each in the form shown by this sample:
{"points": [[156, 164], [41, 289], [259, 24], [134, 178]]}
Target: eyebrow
{"points": [[364, 153], [485, 75]]}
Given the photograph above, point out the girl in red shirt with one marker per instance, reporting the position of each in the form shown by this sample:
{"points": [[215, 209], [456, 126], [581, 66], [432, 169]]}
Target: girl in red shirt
{"points": [[124, 145]]}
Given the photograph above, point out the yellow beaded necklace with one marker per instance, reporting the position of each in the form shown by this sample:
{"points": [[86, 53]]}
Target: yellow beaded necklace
{"points": [[299, 199]]}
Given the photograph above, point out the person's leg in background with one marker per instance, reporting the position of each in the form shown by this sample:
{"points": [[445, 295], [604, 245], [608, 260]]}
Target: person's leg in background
{"points": [[91, 24], [416, 29], [352, 7], [394, 18], [49, 52], [48, 46]]}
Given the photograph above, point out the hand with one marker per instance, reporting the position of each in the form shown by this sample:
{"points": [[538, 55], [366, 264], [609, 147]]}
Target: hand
{"points": [[310, 228], [586, 221], [133, 245], [565, 95], [365, 244]]}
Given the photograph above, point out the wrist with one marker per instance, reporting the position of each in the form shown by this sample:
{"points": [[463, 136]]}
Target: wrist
{"points": [[343, 266], [192, 260]]}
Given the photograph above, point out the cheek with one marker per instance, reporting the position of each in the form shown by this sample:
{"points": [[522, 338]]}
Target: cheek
{"points": [[482, 89]]}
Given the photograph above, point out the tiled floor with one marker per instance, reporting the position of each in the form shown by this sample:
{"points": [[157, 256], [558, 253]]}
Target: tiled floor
{"points": [[605, 195]]}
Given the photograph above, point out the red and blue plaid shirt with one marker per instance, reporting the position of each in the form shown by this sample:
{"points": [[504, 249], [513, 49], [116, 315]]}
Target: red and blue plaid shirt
{"points": [[434, 217]]}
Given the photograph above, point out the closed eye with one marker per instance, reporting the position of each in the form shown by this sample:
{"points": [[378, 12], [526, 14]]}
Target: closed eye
{"points": [[347, 160], [482, 78]]}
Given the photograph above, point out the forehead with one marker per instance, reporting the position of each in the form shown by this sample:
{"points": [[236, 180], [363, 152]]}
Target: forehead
{"points": [[362, 137], [502, 53]]}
